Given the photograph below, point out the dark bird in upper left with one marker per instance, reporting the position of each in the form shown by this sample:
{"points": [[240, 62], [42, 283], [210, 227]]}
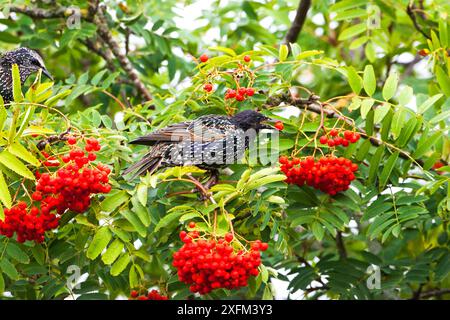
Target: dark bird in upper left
{"points": [[28, 61]]}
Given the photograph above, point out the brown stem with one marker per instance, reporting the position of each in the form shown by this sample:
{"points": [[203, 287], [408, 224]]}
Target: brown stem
{"points": [[340, 245], [105, 34], [105, 54], [410, 11], [37, 13], [299, 21], [434, 293]]}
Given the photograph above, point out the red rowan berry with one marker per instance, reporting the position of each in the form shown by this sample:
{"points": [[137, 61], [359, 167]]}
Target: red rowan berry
{"points": [[323, 140], [229, 237], [208, 87], [279, 125], [250, 92], [71, 140]]}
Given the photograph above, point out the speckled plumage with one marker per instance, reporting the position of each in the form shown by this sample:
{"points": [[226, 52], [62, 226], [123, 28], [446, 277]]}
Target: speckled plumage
{"points": [[28, 61], [209, 142]]}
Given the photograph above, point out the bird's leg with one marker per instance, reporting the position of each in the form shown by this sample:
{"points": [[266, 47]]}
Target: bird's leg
{"points": [[214, 178]]}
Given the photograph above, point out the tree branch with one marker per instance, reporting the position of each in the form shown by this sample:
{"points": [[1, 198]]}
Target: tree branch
{"points": [[340, 245], [105, 34], [314, 105], [105, 54], [410, 11], [434, 293], [299, 20], [37, 13]]}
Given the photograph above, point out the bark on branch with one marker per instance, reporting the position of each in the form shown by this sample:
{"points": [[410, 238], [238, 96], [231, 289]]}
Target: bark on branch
{"points": [[410, 11], [434, 293], [105, 34], [299, 21], [37, 13]]}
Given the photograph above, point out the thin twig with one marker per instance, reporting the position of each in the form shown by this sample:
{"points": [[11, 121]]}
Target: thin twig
{"points": [[410, 11]]}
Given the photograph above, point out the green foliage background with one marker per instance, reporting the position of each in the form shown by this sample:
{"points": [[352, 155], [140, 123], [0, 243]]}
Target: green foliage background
{"points": [[394, 217]]}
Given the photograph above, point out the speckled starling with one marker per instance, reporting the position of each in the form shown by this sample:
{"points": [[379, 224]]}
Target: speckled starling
{"points": [[209, 142], [28, 61]]}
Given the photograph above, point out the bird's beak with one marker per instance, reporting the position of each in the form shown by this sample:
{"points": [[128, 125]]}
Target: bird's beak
{"points": [[46, 73]]}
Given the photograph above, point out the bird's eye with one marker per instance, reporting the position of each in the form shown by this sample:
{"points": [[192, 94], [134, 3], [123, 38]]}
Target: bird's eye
{"points": [[35, 62]]}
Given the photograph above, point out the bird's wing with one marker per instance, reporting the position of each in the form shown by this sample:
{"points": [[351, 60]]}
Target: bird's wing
{"points": [[194, 131], [174, 132]]}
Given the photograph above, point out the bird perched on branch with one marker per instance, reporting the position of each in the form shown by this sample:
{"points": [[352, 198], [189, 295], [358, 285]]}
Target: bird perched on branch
{"points": [[28, 61], [209, 142]]}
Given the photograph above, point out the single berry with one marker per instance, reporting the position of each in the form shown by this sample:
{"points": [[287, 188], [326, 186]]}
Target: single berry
{"points": [[338, 141], [71, 140], [333, 132], [348, 134], [204, 58], [323, 140], [250, 92], [247, 58], [192, 224], [134, 294], [229, 237], [283, 160], [240, 97], [279, 125], [423, 52], [230, 94], [36, 196], [208, 87]]}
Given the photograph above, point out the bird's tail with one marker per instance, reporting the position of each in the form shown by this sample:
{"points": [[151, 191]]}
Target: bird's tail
{"points": [[146, 164]]}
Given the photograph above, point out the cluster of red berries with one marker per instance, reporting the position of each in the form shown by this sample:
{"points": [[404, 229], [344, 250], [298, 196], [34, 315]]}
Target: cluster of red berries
{"points": [[28, 223], [240, 94], [336, 139], [212, 264], [151, 295], [69, 187], [328, 174]]}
